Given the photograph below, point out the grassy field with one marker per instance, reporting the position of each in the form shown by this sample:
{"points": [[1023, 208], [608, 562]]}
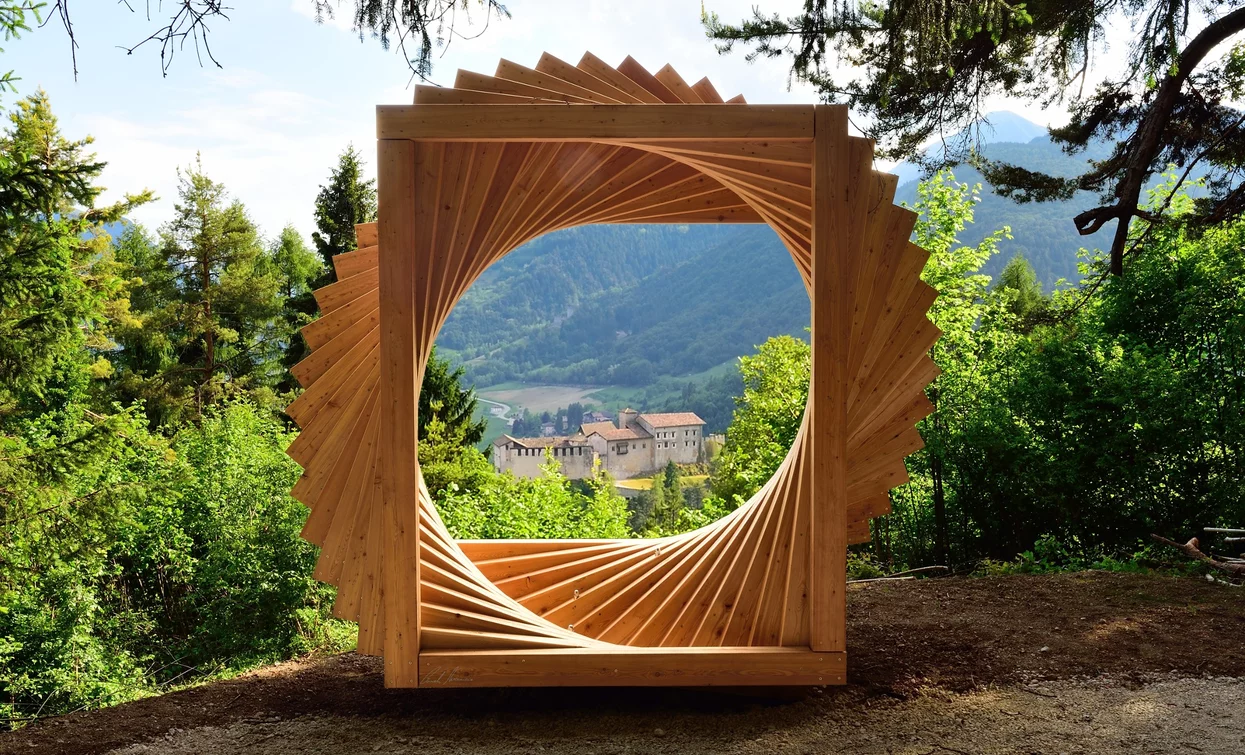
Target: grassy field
{"points": [[496, 425], [615, 397], [537, 398], [646, 483]]}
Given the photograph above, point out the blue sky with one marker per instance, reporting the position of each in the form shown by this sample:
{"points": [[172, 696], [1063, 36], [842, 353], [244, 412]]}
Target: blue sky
{"points": [[292, 93]]}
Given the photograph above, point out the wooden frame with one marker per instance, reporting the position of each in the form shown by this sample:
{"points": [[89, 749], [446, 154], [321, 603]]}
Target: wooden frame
{"points": [[468, 174]]}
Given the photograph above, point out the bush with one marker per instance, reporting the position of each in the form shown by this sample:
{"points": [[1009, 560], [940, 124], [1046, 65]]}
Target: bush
{"points": [[506, 506], [166, 562]]}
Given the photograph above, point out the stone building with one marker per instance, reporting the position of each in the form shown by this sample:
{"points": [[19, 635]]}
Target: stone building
{"points": [[636, 446]]}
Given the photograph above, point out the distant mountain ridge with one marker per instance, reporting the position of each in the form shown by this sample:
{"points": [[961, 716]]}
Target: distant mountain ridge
{"points": [[998, 126], [627, 305]]}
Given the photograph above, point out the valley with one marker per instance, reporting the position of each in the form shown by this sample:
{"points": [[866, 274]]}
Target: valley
{"points": [[654, 317]]}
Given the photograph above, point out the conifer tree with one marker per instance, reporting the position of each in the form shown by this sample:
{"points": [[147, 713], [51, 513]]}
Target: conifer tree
{"points": [[211, 321], [298, 267], [346, 200], [443, 397], [58, 282]]}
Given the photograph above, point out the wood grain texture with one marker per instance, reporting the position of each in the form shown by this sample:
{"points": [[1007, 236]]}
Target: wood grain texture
{"points": [[467, 175]]}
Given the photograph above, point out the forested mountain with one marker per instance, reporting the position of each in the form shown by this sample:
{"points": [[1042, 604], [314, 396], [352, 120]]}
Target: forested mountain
{"points": [[1042, 232], [693, 310], [544, 281], [626, 305]]}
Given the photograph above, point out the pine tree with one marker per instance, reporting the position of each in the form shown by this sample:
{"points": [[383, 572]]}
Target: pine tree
{"points": [[58, 291], [298, 268], [1020, 282], [58, 281], [442, 397], [346, 200], [212, 318]]}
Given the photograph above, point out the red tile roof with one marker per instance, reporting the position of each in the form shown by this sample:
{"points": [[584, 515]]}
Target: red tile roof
{"points": [[609, 432], [672, 419]]}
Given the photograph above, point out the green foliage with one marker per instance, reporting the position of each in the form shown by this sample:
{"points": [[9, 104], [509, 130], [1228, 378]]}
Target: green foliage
{"points": [[416, 22], [561, 310], [59, 288], [15, 19], [1049, 556], [945, 208], [767, 418], [924, 69], [548, 506], [1019, 282], [211, 319], [159, 562], [297, 268], [232, 577], [441, 396], [1066, 428], [1116, 418], [130, 561], [659, 510], [346, 201]]}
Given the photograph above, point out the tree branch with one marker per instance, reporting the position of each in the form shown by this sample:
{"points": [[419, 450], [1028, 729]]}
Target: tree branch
{"points": [[1148, 137], [1191, 550]]}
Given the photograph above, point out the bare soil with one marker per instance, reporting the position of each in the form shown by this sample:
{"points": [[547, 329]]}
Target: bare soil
{"points": [[1088, 662]]}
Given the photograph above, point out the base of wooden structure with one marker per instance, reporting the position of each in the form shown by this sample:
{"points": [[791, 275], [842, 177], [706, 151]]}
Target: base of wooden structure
{"points": [[632, 667]]}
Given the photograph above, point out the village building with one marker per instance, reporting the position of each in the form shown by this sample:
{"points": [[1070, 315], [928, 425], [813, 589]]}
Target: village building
{"points": [[636, 446]]}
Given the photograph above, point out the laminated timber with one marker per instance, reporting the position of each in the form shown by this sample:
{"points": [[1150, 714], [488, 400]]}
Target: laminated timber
{"points": [[469, 173]]}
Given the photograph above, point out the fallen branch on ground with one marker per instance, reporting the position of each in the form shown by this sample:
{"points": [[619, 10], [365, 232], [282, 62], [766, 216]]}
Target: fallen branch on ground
{"points": [[921, 570], [902, 575], [1191, 550]]}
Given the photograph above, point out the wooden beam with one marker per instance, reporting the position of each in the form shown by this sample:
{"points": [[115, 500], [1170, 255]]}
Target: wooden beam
{"points": [[841, 181], [632, 667], [399, 178], [475, 123]]}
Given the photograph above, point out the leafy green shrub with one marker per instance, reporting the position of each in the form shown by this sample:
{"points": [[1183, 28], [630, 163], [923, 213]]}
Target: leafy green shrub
{"points": [[863, 566], [228, 548], [160, 563], [548, 506]]}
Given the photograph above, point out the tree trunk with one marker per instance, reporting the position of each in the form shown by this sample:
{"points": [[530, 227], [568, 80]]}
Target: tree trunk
{"points": [[1148, 138], [940, 509], [209, 336]]}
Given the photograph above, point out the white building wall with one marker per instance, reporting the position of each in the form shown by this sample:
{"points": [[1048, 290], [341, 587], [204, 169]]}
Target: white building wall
{"points": [[635, 462], [576, 461], [679, 444]]}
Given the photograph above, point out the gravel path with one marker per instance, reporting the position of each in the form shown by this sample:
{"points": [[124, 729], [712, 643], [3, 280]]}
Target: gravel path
{"points": [[1100, 716]]}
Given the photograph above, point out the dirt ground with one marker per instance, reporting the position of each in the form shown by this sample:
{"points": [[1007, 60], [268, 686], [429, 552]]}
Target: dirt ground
{"points": [[1086, 662]]}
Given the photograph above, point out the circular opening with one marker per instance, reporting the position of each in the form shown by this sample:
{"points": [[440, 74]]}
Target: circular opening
{"points": [[662, 365]]}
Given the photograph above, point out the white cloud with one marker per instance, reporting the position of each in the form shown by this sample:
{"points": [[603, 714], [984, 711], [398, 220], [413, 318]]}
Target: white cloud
{"points": [[293, 95], [270, 147]]}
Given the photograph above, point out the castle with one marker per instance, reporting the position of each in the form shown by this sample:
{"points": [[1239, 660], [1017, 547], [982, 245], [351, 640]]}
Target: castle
{"points": [[640, 444]]}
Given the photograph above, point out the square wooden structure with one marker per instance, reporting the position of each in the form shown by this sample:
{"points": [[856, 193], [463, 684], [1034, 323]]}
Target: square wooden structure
{"points": [[468, 174]]}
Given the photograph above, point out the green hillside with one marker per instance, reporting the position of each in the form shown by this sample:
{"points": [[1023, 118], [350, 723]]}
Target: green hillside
{"points": [[547, 279], [646, 309], [1042, 232]]}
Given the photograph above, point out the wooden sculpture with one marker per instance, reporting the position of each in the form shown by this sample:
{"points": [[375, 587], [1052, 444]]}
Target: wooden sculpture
{"points": [[470, 173]]}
